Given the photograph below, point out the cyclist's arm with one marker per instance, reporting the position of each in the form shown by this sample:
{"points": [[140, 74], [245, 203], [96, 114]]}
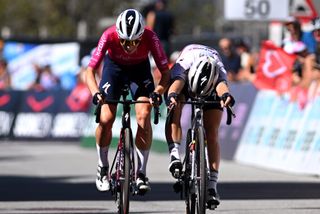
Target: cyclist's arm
{"points": [[176, 86], [174, 90], [91, 81], [164, 82], [223, 89], [160, 60]]}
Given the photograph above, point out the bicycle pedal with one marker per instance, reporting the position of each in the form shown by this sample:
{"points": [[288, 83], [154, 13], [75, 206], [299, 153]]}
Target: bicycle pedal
{"points": [[177, 173], [212, 206]]}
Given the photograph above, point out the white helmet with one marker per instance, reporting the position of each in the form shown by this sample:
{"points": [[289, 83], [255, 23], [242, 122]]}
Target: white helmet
{"points": [[130, 25], [203, 76]]}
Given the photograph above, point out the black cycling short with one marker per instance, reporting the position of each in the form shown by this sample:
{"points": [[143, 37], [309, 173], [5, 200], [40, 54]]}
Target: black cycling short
{"points": [[115, 76]]}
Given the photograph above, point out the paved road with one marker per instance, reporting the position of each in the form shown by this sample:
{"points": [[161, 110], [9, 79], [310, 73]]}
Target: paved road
{"points": [[57, 177]]}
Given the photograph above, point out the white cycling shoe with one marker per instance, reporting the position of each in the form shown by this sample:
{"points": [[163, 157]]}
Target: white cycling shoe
{"points": [[102, 181], [143, 185]]}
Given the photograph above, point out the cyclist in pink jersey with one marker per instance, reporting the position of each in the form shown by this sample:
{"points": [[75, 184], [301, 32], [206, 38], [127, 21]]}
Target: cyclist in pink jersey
{"points": [[124, 50]]}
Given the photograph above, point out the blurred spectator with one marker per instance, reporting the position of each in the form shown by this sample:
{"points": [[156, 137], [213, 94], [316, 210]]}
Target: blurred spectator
{"points": [[45, 79], [80, 96], [295, 34], [146, 10], [161, 21], [299, 74], [5, 80], [230, 59], [1, 48], [247, 71], [312, 62]]}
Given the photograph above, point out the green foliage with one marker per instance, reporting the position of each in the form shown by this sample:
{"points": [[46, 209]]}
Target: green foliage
{"points": [[60, 17]]}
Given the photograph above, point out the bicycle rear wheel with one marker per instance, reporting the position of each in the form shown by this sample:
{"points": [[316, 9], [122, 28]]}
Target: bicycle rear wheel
{"points": [[125, 178], [201, 170]]}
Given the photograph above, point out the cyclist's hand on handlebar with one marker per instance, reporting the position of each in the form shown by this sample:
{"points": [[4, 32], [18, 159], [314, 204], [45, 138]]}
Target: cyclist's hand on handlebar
{"points": [[227, 100], [97, 98], [172, 100], [155, 99]]}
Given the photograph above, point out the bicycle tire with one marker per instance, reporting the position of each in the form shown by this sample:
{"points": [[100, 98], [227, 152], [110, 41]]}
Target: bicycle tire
{"points": [[125, 181], [190, 197], [201, 171]]}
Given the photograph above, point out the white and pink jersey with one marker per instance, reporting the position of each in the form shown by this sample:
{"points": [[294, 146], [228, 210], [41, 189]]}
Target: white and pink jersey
{"points": [[109, 42], [191, 54]]}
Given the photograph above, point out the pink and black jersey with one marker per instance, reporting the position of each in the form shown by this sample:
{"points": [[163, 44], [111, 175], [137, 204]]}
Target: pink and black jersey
{"points": [[109, 43]]}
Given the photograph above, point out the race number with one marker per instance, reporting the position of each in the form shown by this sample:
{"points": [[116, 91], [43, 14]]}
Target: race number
{"points": [[259, 10]]}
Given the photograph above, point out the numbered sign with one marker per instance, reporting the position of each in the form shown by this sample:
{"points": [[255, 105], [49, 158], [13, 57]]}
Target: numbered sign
{"points": [[258, 10]]}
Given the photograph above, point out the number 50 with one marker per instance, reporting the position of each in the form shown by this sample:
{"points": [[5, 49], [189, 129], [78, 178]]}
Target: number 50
{"points": [[257, 7]]}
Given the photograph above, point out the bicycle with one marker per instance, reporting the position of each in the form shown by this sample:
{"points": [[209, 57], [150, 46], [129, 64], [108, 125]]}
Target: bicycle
{"points": [[123, 169], [192, 181]]}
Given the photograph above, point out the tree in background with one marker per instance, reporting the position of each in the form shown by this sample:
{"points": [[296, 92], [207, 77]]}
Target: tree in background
{"points": [[60, 18]]}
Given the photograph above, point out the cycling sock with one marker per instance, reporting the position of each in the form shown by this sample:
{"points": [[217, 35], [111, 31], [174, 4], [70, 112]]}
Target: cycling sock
{"points": [[143, 156], [174, 150], [102, 155], [213, 179]]}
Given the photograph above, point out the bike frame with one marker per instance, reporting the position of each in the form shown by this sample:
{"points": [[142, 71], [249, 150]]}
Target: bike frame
{"points": [[123, 168], [196, 183], [194, 178]]}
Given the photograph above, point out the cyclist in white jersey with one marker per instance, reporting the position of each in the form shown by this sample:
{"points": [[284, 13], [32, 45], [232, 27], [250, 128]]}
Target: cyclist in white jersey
{"points": [[198, 72]]}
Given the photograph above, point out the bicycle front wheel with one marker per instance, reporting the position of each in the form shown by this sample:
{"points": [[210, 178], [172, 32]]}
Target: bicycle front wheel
{"points": [[201, 170], [125, 181], [188, 184]]}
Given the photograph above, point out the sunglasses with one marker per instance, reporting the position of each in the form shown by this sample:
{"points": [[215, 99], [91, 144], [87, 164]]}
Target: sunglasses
{"points": [[131, 43]]}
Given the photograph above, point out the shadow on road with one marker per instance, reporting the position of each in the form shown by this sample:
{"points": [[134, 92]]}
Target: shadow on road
{"points": [[16, 188]]}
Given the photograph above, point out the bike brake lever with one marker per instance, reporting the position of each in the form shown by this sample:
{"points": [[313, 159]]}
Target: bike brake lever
{"points": [[97, 112], [230, 114], [156, 115]]}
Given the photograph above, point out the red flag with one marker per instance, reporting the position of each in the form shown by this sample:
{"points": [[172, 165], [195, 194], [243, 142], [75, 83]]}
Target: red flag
{"points": [[274, 69]]}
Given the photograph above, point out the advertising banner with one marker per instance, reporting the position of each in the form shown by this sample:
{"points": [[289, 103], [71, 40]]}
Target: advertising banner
{"points": [[255, 127], [229, 136], [36, 112], [275, 123], [23, 57], [304, 155], [9, 103], [285, 137]]}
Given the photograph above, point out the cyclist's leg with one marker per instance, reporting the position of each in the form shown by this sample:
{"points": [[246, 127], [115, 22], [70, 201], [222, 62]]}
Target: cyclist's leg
{"points": [[144, 133], [143, 144], [104, 131], [141, 85], [212, 119], [109, 86], [173, 136]]}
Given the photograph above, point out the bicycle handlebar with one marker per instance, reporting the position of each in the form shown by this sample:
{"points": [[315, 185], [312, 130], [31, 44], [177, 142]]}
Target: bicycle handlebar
{"points": [[156, 109], [230, 112]]}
